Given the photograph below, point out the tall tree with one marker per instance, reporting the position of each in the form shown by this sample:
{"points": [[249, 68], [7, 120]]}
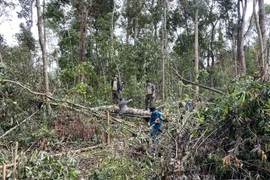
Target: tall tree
{"points": [[196, 48], [83, 30], [43, 51], [262, 23], [259, 32], [164, 48], [241, 7]]}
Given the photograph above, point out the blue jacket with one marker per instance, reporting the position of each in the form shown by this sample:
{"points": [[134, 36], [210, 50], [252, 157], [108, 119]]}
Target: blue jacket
{"points": [[154, 116], [119, 85]]}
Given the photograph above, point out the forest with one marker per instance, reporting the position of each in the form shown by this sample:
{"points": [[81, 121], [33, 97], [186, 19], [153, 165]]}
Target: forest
{"points": [[57, 114]]}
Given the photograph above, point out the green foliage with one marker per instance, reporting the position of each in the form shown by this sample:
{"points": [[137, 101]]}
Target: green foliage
{"points": [[26, 39], [119, 168], [41, 165], [239, 116]]}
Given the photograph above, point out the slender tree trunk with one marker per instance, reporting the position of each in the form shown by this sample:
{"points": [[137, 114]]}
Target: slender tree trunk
{"points": [[264, 39], [258, 28], [128, 21], [196, 48], [83, 29], [127, 35], [262, 23], [164, 49], [136, 28], [212, 54], [235, 62], [112, 43], [240, 36], [43, 50]]}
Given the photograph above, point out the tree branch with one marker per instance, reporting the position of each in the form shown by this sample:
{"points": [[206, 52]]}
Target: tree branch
{"points": [[196, 84], [18, 125]]}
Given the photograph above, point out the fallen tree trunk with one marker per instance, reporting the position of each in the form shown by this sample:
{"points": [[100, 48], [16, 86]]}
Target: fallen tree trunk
{"points": [[115, 109], [196, 84]]}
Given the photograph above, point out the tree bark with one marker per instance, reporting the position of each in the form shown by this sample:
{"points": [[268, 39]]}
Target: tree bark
{"points": [[83, 29], [43, 50], [258, 28], [240, 37], [196, 49], [264, 39]]}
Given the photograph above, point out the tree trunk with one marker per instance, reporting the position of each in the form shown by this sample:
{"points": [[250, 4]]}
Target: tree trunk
{"points": [[83, 29], [136, 28], [258, 28], [133, 111], [196, 46], [128, 21], [264, 39], [164, 49], [112, 45], [240, 37], [211, 53], [262, 23], [43, 50]]}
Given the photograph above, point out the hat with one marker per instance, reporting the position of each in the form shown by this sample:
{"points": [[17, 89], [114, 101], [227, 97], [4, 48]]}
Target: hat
{"points": [[148, 81], [152, 109]]}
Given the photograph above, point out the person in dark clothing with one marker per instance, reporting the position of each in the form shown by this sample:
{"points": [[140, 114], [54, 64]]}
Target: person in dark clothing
{"points": [[150, 93], [123, 106], [155, 123], [116, 89]]}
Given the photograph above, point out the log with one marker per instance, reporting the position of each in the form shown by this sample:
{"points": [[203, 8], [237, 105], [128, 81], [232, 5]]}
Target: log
{"points": [[196, 84], [111, 108], [115, 109]]}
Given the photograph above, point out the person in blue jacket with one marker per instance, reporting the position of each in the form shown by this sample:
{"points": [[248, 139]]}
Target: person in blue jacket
{"points": [[155, 123]]}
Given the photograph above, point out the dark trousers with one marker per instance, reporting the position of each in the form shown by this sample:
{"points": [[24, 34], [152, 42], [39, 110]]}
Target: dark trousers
{"points": [[115, 97], [148, 98]]}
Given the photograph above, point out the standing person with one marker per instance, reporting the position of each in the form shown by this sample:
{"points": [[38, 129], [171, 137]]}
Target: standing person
{"points": [[116, 89], [155, 123], [150, 93], [123, 106]]}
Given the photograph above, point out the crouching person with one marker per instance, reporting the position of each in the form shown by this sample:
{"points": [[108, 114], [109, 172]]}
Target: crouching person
{"points": [[123, 106], [155, 123]]}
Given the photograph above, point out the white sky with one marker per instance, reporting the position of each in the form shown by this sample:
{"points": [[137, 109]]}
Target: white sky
{"points": [[10, 25]]}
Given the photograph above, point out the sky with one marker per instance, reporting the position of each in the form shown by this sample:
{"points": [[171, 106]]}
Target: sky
{"points": [[9, 25]]}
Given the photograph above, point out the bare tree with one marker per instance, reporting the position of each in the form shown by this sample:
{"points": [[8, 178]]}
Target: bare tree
{"points": [[43, 50]]}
